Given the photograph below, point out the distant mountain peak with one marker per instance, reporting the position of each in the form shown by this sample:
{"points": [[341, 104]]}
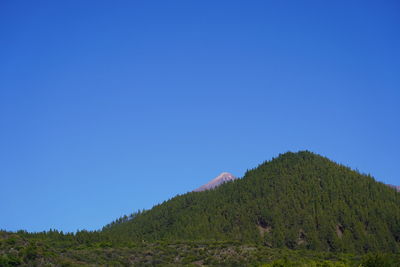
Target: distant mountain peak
{"points": [[217, 181], [395, 187]]}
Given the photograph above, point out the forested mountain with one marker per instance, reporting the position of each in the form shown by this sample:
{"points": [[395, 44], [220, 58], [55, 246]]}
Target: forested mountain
{"points": [[297, 200], [299, 209]]}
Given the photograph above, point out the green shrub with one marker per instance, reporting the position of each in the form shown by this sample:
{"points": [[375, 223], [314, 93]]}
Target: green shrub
{"points": [[379, 260], [9, 260]]}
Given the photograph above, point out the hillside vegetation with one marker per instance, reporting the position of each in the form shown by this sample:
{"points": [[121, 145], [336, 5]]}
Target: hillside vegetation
{"points": [[298, 200], [56, 249]]}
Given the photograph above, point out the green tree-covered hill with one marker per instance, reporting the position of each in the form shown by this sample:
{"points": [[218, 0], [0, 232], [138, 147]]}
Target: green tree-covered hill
{"points": [[297, 200]]}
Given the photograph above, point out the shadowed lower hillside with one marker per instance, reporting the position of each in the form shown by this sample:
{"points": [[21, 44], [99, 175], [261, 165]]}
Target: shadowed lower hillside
{"points": [[298, 200]]}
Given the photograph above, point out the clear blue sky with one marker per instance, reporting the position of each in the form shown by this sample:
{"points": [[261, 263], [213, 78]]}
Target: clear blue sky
{"points": [[107, 107]]}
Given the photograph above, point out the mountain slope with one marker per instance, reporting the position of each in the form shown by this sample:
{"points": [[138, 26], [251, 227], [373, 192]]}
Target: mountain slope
{"points": [[298, 200], [220, 179]]}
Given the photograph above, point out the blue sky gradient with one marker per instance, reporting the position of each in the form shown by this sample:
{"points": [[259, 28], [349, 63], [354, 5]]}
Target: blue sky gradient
{"points": [[107, 107]]}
